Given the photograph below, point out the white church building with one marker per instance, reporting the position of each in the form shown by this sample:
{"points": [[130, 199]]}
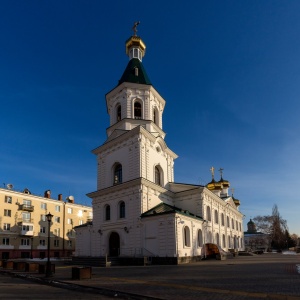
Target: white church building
{"points": [[138, 208]]}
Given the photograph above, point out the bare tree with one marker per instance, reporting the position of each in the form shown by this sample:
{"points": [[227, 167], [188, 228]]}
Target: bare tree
{"points": [[275, 226], [294, 238]]}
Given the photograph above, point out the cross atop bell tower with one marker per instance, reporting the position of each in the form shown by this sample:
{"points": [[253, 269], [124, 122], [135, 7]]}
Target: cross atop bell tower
{"points": [[135, 47]]}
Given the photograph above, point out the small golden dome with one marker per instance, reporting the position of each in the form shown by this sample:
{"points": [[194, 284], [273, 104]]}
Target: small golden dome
{"points": [[214, 185], [225, 183], [236, 201], [135, 42]]}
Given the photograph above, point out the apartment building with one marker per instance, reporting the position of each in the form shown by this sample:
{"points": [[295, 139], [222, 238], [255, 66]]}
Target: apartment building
{"points": [[24, 226]]}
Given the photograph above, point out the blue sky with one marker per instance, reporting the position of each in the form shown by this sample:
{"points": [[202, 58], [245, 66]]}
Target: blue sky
{"points": [[229, 71]]}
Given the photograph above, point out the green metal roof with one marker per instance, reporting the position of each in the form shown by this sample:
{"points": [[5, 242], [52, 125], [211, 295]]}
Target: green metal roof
{"points": [[129, 73], [164, 208]]}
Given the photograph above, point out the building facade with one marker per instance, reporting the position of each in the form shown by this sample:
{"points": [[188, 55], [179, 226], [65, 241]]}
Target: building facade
{"points": [[138, 208], [256, 240], [24, 226]]}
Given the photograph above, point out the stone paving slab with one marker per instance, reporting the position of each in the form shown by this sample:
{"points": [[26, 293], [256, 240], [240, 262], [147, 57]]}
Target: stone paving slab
{"points": [[268, 276]]}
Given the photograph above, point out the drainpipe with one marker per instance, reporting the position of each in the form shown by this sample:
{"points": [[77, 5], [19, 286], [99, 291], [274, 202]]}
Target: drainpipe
{"points": [[193, 246], [176, 236], [64, 228], [204, 239]]}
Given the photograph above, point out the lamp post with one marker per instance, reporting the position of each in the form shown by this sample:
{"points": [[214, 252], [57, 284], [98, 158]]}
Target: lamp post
{"points": [[48, 265]]}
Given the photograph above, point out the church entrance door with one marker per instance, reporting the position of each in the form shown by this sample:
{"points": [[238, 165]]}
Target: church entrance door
{"points": [[114, 244]]}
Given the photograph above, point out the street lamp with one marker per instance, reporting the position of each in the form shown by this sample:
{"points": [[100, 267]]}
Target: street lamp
{"points": [[48, 265]]}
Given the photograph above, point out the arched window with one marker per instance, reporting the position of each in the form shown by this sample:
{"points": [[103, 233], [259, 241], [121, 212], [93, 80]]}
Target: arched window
{"points": [[118, 174], [208, 216], [217, 239], [157, 175], [236, 225], [187, 238], [155, 116], [107, 212], [119, 115], [228, 223], [223, 241], [216, 217], [200, 238], [122, 209], [222, 219], [137, 110], [229, 242]]}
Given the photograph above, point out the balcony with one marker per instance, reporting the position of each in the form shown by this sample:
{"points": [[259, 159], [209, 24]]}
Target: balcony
{"points": [[27, 227], [23, 221], [26, 232], [26, 207]]}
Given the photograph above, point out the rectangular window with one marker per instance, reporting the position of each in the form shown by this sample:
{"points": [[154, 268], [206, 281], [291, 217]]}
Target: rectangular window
{"points": [[80, 222], [57, 208], [70, 210], [42, 229], [43, 218], [5, 241], [56, 231], [44, 206], [7, 212], [70, 221], [6, 226], [69, 243], [90, 216], [26, 203], [26, 216], [56, 243], [57, 219], [8, 199], [25, 242], [27, 228], [42, 242]]}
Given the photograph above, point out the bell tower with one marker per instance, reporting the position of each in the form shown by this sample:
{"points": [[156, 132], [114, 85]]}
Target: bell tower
{"points": [[134, 102], [135, 146]]}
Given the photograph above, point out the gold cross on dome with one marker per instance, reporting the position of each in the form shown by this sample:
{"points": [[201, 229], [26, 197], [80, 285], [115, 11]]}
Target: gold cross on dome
{"points": [[134, 28], [212, 170], [221, 171]]}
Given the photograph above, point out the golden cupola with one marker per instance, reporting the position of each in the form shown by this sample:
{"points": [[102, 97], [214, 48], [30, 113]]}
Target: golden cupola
{"points": [[135, 47], [220, 187], [236, 201], [214, 185]]}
